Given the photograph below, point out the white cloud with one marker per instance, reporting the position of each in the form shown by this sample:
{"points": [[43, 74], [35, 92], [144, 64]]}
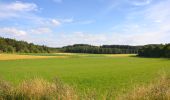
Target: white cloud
{"points": [[41, 30], [15, 9], [101, 39], [70, 20], [140, 39], [58, 22], [149, 25], [140, 2], [64, 39], [19, 6], [26, 11], [159, 15], [86, 22], [159, 12], [55, 22], [12, 31]]}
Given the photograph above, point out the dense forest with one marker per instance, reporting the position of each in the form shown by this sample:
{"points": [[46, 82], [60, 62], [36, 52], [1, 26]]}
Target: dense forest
{"points": [[155, 50], [105, 49], [11, 46]]}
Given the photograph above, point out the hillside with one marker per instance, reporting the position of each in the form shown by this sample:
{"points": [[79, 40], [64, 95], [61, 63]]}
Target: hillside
{"points": [[13, 46]]}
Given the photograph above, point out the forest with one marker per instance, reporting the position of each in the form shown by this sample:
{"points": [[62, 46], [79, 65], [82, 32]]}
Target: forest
{"points": [[13, 46], [155, 50], [104, 49]]}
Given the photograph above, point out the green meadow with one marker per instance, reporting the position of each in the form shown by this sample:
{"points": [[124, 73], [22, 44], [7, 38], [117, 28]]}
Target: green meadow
{"points": [[87, 71]]}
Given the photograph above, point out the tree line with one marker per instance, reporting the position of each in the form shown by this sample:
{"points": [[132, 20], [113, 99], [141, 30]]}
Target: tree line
{"points": [[155, 50], [104, 49], [11, 46]]}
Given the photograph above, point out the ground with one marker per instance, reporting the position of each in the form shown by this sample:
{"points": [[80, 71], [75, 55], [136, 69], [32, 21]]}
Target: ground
{"points": [[101, 72]]}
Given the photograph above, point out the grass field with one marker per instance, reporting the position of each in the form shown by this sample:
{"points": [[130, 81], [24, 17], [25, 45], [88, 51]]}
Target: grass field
{"points": [[100, 72]]}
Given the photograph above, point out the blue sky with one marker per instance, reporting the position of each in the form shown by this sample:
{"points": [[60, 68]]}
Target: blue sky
{"points": [[58, 23]]}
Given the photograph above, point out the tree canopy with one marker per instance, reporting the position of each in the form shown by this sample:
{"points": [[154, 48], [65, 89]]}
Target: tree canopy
{"points": [[155, 50], [11, 46], [105, 49]]}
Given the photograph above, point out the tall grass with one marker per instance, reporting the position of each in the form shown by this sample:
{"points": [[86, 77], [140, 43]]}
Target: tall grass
{"points": [[40, 89], [157, 90], [37, 89]]}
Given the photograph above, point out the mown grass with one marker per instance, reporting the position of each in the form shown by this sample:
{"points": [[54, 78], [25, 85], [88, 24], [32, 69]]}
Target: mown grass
{"points": [[101, 73]]}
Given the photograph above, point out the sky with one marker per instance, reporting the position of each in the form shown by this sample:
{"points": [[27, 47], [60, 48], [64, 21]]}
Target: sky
{"points": [[58, 23]]}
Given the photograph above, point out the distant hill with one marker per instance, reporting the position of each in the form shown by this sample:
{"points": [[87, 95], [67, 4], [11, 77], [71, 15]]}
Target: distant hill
{"points": [[11, 46], [104, 49], [8, 45]]}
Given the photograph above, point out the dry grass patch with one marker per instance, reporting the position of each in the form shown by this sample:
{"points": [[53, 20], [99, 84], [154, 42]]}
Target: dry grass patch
{"points": [[37, 89], [119, 55], [68, 54], [157, 90], [15, 57]]}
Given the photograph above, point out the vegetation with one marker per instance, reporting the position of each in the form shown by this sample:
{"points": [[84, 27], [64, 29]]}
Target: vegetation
{"points": [[155, 51], [11, 46], [36, 89], [28, 56], [157, 90], [40, 89], [99, 72], [105, 49], [88, 76]]}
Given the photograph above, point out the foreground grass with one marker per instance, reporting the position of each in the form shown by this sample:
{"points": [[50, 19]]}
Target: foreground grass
{"points": [[39, 89], [36, 89], [157, 90]]}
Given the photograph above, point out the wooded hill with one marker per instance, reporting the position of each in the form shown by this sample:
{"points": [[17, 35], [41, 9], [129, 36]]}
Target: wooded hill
{"points": [[11, 46]]}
